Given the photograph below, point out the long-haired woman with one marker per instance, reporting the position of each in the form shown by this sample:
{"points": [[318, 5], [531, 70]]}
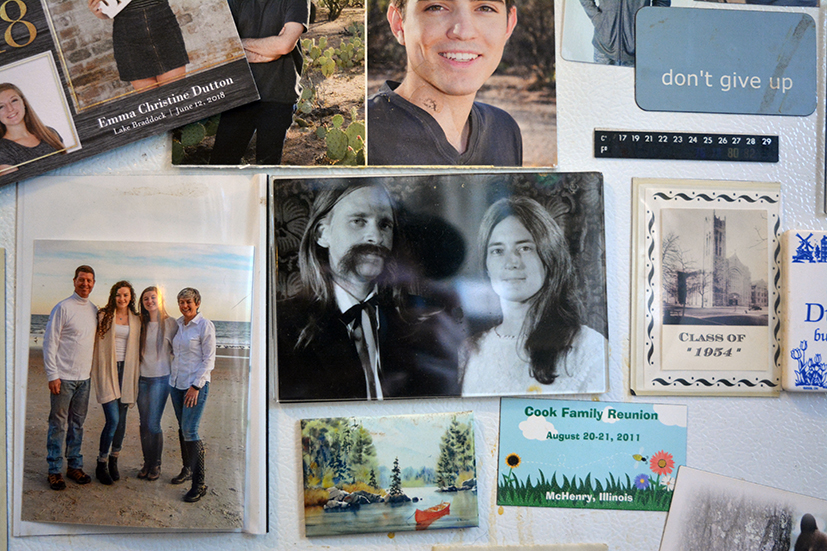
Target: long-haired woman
{"points": [[157, 332], [115, 373], [541, 343], [23, 136]]}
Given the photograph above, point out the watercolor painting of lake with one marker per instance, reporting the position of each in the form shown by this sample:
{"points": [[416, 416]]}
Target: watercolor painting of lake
{"points": [[389, 474]]}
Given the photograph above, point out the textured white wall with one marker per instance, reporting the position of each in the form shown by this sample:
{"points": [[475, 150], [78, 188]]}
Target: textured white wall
{"points": [[774, 441]]}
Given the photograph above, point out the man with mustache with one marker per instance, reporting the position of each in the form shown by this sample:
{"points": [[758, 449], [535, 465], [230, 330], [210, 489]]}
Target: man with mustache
{"points": [[354, 332]]}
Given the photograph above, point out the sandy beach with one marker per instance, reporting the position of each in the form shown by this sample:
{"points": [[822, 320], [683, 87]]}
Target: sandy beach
{"points": [[131, 501]]}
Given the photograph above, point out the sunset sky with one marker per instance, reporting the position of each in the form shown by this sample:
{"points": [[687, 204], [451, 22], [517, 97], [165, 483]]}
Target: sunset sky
{"points": [[222, 274]]}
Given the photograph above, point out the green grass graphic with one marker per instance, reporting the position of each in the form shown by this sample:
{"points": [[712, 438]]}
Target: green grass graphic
{"points": [[512, 491]]}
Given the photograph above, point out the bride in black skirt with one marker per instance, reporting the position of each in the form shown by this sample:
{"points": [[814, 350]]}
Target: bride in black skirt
{"points": [[149, 47]]}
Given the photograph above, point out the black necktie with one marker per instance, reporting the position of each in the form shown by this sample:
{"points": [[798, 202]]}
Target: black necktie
{"points": [[354, 315]]}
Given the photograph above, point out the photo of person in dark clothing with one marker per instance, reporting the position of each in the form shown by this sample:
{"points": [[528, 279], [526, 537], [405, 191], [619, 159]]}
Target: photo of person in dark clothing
{"points": [[148, 44], [354, 331], [270, 32]]}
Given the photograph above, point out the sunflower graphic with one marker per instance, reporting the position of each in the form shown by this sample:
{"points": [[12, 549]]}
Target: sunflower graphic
{"points": [[512, 460], [662, 463]]}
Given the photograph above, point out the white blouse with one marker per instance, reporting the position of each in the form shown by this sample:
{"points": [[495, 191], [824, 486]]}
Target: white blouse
{"points": [[496, 368]]}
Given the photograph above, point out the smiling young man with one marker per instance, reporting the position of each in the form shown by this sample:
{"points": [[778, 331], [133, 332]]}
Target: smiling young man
{"points": [[431, 117]]}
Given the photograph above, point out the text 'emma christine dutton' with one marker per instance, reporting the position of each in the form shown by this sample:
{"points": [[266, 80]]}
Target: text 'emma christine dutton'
{"points": [[150, 107]]}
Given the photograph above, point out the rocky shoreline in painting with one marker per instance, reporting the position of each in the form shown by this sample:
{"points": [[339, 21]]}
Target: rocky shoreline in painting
{"points": [[340, 500]]}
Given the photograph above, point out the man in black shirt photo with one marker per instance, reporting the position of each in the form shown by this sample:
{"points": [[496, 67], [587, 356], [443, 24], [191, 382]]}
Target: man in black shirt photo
{"points": [[270, 32]]}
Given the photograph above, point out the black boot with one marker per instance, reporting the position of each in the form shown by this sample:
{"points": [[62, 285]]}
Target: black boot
{"points": [[113, 467], [102, 474], [146, 448], [157, 450], [186, 472], [199, 489]]}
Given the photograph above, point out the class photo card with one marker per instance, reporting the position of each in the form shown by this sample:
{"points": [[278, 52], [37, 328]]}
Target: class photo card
{"points": [[804, 296], [705, 293], [389, 474], [75, 82], [711, 512], [725, 61], [589, 455], [201, 232], [471, 285]]}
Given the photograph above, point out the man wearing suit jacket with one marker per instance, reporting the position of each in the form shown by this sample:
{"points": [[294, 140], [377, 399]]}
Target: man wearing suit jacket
{"points": [[354, 332]]}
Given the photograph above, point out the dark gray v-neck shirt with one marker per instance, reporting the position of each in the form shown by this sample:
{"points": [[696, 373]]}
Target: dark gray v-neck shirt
{"points": [[400, 133]]}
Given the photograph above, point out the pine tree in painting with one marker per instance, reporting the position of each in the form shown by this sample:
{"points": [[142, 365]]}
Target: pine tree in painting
{"points": [[456, 454], [335, 451], [373, 483], [396, 482], [362, 455]]}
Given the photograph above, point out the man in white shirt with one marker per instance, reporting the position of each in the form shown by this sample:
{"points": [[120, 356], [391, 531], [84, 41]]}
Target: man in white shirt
{"points": [[67, 356]]}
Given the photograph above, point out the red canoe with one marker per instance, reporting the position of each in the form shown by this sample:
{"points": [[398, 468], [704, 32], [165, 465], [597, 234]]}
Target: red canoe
{"points": [[432, 513]]}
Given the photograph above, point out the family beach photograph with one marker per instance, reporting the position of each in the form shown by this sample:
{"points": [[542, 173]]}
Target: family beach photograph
{"points": [[194, 303]]}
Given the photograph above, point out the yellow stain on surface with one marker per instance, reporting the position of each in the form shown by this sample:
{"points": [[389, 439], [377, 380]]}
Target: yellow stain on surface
{"points": [[500, 511], [391, 535]]}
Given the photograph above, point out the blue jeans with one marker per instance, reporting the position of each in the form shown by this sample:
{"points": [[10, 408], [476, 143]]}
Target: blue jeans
{"points": [[70, 405], [188, 417], [115, 428], [152, 399]]}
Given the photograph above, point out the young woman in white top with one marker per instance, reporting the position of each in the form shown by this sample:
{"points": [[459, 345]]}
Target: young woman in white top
{"points": [[541, 344], [157, 332], [115, 373]]}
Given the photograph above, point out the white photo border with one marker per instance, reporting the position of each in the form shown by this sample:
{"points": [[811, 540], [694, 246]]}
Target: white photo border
{"points": [[648, 375]]}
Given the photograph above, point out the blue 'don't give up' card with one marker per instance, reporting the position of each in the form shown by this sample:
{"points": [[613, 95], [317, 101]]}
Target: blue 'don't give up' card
{"points": [[724, 61], [594, 455]]}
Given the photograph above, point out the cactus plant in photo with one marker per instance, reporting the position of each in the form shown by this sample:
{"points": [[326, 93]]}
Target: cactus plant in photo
{"points": [[192, 135], [345, 145], [336, 141]]}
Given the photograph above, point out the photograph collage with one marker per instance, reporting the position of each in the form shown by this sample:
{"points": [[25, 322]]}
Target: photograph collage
{"points": [[305, 274]]}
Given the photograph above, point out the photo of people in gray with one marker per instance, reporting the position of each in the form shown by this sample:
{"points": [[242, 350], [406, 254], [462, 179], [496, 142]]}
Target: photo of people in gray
{"points": [[406, 287], [603, 31]]}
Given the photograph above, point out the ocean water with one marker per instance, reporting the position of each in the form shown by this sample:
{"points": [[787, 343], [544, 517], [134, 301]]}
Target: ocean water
{"points": [[228, 334]]}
